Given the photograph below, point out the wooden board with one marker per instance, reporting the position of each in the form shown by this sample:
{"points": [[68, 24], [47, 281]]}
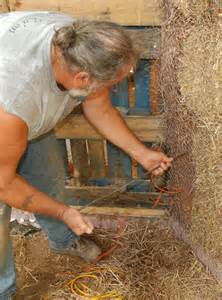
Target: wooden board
{"points": [[85, 195], [128, 12], [120, 211], [97, 159], [114, 184], [147, 128], [111, 193], [4, 6], [80, 161]]}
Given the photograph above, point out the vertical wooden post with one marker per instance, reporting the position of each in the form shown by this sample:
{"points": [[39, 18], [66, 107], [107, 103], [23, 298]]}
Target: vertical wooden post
{"points": [[80, 162], [97, 159]]}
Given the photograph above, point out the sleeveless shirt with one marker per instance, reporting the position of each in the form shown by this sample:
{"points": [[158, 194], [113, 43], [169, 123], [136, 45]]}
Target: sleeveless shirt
{"points": [[27, 87]]}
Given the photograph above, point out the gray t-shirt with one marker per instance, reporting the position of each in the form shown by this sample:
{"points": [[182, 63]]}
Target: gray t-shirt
{"points": [[27, 87]]}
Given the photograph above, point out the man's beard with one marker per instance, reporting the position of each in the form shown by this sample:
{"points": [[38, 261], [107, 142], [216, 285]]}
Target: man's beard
{"points": [[78, 92], [83, 92]]}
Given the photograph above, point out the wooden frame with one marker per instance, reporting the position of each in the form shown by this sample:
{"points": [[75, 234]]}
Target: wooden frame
{"points": [[95, 159]]}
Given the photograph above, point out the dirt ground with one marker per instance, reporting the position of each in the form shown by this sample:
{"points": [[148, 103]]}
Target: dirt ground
{"points": [[148, 263]]}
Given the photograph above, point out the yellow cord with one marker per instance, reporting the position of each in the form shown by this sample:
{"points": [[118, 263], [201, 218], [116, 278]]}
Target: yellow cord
{"points": [[86, 292]]}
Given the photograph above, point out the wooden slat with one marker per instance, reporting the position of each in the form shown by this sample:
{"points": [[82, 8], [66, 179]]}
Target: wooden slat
{"points": [[147, 128], [88, 194], [97, 159], [80, 162], [4, 6], [128, 12], [120, 211], [109, 184], [111, 193]]}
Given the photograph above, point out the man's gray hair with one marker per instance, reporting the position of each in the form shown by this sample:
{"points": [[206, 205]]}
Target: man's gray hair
{"points": [[100, 48]]}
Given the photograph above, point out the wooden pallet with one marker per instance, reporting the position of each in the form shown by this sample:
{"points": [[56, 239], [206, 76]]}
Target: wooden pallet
{"points": [[100, 167], [91, 153]]}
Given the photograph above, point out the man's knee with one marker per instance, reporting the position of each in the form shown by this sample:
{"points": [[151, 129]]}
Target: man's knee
{"points": [[44, 165]]}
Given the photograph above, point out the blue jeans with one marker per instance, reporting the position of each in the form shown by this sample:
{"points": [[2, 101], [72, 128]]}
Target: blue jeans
{"points": [[43, 166]]}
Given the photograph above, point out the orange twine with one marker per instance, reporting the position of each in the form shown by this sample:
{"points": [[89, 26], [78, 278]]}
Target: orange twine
{"points": [[162, 191]]}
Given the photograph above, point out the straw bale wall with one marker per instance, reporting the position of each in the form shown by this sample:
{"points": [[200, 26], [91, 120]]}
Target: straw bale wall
{"points": [[191, 88]]}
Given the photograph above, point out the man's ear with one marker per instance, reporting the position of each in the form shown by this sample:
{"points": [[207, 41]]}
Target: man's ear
{"points": [[83, 79]]}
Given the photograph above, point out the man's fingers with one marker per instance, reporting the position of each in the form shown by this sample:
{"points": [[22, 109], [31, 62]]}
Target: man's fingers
{"points": [[78, 230], [164, 166], [81, 230], [78, 223], [89, 224], [158, 172], [167, 160], [85, 225], [82, 226], [161, 169]]}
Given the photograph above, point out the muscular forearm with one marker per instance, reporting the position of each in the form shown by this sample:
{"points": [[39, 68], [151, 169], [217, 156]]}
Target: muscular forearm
{"points": [[16, 192], [108, 121], [21, 195], [113, 127]]}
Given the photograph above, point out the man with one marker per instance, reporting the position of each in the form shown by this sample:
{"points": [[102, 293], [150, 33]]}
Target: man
{"points": [[44, 59]]}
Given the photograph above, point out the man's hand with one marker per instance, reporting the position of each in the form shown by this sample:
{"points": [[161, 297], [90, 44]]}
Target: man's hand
{"points": [[108, 121], [76, 222], [155, 162]]}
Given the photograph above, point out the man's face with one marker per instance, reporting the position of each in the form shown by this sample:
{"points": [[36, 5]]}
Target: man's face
{"points": [[80, 83], [84, 86]]}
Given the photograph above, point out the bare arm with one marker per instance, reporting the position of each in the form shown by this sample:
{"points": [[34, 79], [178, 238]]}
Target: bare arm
{"points": [[106, 118], [14, 190]]}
